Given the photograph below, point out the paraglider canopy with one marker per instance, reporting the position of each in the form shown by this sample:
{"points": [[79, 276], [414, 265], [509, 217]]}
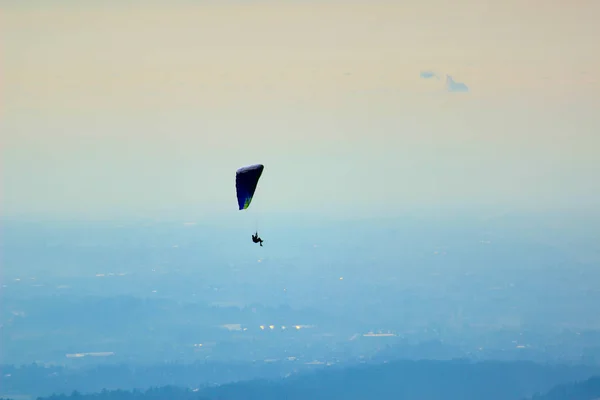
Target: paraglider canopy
{"points": [[246, 180]]}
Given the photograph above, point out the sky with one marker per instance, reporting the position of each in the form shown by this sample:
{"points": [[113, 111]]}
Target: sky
{"points": [[371, 107]]}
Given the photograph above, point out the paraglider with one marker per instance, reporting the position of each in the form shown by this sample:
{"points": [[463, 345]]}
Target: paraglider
{"points": [[257, 239], [246, 180]]}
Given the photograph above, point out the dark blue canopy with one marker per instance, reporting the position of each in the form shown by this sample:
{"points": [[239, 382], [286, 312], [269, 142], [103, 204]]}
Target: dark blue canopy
{"points": [[246, 179]]}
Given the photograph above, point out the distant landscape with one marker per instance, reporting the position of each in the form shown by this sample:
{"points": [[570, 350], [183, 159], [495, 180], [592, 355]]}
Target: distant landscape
{"points": [[126, 307]]}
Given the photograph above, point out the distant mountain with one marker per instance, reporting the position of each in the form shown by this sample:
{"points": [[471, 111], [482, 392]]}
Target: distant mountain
{"points": [[424, 380], [585, 390]]}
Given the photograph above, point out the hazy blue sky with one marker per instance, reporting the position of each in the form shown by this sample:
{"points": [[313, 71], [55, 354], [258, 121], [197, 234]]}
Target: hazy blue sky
{"points": [[112, 109]]}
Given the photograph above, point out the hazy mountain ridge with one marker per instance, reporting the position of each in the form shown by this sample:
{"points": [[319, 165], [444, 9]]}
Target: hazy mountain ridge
{"points": [[582, 390], [426, 380]]}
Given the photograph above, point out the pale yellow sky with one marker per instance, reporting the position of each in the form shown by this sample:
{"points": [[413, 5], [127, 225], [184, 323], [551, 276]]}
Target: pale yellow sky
{"points": [[107, 106]]}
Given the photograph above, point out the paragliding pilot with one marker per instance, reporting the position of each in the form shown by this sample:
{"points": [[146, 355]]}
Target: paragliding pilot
{"points": [[256, 239]]}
